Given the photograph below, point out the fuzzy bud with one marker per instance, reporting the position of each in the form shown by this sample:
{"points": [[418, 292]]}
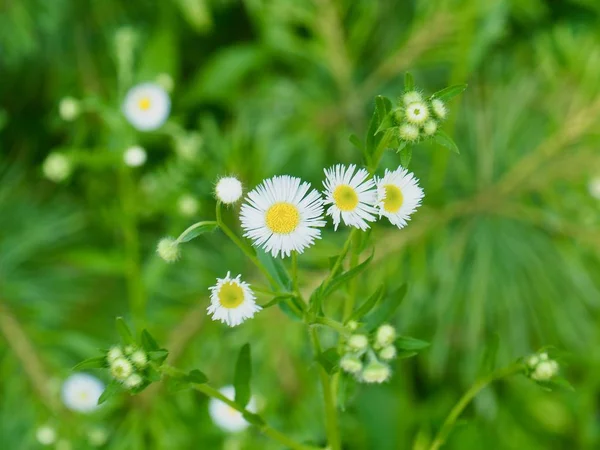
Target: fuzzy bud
{"points": [[113, 354], [408, 132], [375, 372], [388, 353], [133, 381], [430, 127], [417, 113], [168, 249], [545, 370], [139, 358], [412, 97], [228, 190], [69, 109], [439, 108], [351, 364], [386, 335], [121, 369], [358, 342]]}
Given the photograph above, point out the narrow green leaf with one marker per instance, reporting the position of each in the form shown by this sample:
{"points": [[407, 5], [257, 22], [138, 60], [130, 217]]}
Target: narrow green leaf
{"points": [[91, 363], [357, 142], [329, 360], [287, 309], [449, 92], [276, 300], [338, 281], [372, 138], [443, 139], [277, 270], [406, 156], [196, 230], [401, 146], [388, 140], [386, 123], [387, 308], [383, 107], [410, 343], [409, 82], [364, 309], [243, 374], [111, 389], [124, 332], [148, 342], [158, 356], [197, 377], [403, 354]]}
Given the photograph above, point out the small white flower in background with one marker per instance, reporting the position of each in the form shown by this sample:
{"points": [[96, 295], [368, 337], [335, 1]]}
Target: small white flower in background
{"points": [[46, 435], [417, 113], [232, 301], [358, 342], [594, 187], [114, 353], [80, 392], [168, 249], [147, 106], [376, 372], [388, 353], [398, 196], [224, 416], [439, 109], [409, 132], [281, 215], [135, 156], [121, 369], [545, 370], [97, 437], [69, 109], [229, 190], [351, 364], [385, 335], [412, 97], [57, 167], [351, 194], [166, 81], [133, 381], [187, 205], [430, 127]]}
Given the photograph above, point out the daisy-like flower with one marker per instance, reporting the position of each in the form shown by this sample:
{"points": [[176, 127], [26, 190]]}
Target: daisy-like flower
{"points": [[228, 190], [352, 196], [80, 392], [282, 216], [398, 196], [417, 113], [232, 301], [147, 106], [224, 416]]}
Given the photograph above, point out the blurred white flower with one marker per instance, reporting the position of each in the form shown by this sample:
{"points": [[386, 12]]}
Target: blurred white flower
{"points": [[69, 109], [398, 196], [280, 217], [187, 205], [135, 156], [228, 190], [46, 435], [224, 416], [80, 392], [232, 301], [594, 187], [168, 249], [133, 381], [57, 167], [388, 353], [114, 353], [147, 106], [351, 194]]}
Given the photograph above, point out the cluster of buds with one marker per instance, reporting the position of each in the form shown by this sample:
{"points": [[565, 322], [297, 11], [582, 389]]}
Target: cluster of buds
{"points": [[128, 365], [368, 359], [540, 367], [418, 117]]}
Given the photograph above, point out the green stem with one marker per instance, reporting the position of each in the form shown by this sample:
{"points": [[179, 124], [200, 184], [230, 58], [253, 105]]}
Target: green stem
{"points": [[333, 324], [340, 258], [463, 402], [243, 246], [294, 271], [191, 228], [331, 419], [349, 304]]}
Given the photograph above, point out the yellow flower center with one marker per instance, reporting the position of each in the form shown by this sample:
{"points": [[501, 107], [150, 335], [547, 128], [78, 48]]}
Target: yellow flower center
{"points": [[231, 295], [393, 198], [283, 218], [144, 103], [345, 197]]}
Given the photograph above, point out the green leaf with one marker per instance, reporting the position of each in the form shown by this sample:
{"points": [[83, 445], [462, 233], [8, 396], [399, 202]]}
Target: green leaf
{"points": [[276, 300], [409, 82], [338, 281], [196, 230], [329, 360], [124, 332], [276, 269], [91, 363], [158, 356], [449, 92], [406, 156], [387, 309], [410, 343], [383, 107], [111, 389], [364, 309], [403, 354], [357, 142], [446, 141], [287, 309], [197, 377], [243, 374], [148, 342], [401, 146], [386, 123], [372, 138]]}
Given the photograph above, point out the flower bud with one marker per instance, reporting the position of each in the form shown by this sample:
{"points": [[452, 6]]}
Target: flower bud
{"points": [[439, 108], [412, 97], [139, 358], [168, 249], [358, 342], [408, 132], [375, 372], [417, 113], [133, 381], [351, 363], [386, 335], [121, 369], [228, 190], [114, 353], [545, 370], [388, 353], [430, 127], [69, 109], [352, 325]]}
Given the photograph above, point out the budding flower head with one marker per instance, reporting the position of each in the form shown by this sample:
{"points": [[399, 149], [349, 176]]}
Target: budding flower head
{"points": [[114, 353], [352, 325], [133, 381], [388, 353], [228, 190], [411, 97], [545, 370], [358, 342], [351, 363], [168, 249], [376, 372], [430, 127], [417, 113], [121, 369], [408, 132], [57, 167], [69, 109], [135, 156], [139, 358], [386, 335], [439, 108]]}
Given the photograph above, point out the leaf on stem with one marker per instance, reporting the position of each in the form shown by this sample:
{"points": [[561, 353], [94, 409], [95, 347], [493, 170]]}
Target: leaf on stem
{"points": [[387, 308], [406, 155], [111, 389], [276, 269], [243, 374], [354, 140], [446, 141], [449, 92], [329, 360], [124, 332], [196, 230], [409, 82], [148, 342], [91, 363], [410, 343], [364, 309]]}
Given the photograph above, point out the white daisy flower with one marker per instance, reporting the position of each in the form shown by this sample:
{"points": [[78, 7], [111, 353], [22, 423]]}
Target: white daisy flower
{"points": [[398, 196], [224, 416], [282, 216], [232, 301], [352, 196], [147, 106], [228, 190], [80, 392], [135, 156], [417, 113]]}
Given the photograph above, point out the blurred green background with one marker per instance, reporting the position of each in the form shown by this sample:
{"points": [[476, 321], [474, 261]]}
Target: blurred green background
{"points": [[505, 247]]}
